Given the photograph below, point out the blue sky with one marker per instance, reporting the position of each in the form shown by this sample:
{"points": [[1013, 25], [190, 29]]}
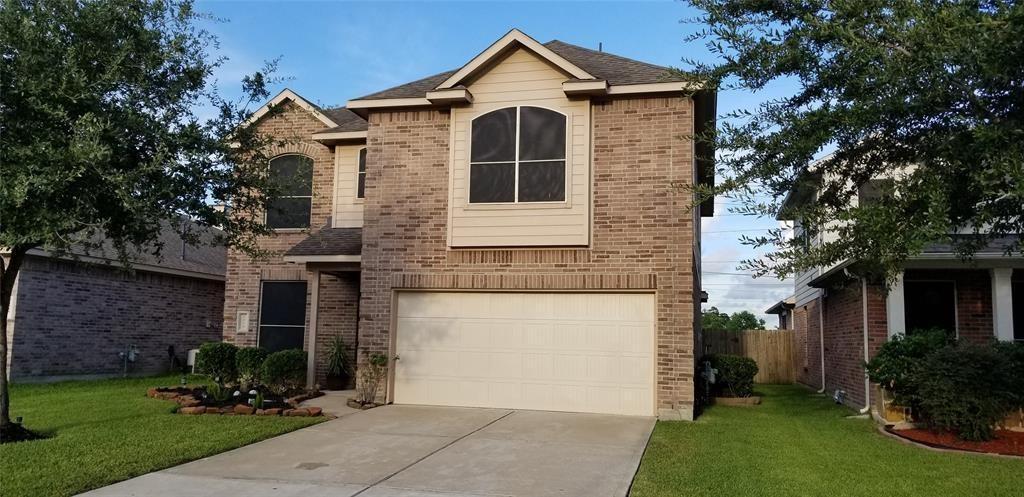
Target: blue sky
{"points": [[334, 51]]}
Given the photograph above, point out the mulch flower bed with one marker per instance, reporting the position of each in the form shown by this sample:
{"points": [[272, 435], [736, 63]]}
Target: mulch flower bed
{"points": [[192, 400], [1009, 443]]}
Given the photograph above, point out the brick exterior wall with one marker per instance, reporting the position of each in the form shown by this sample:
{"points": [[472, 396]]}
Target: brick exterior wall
{"points": [[338, 316], [642, 231], [338, 293], [807, 337], [74, 318], [844, 328]]}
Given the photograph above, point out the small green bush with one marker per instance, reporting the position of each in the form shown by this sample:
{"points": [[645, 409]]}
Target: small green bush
{"points": [[285, 370], [966, 389], [735, 377], [896, 359], [217, 359], [1014, 353], [249, 362]]}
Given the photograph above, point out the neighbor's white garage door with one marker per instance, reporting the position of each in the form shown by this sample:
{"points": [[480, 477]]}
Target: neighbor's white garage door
{"points": [[580, 352]]}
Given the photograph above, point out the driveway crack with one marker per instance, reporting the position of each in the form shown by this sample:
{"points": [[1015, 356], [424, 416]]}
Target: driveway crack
{"points": [[439, 449]]}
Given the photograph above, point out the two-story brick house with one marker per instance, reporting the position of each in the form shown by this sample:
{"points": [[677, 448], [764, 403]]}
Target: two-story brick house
{"points": [[518, 232], [841, 319]]}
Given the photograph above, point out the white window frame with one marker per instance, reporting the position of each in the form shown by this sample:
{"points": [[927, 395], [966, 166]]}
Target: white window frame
{"points": [[310, 196], [259, 312], [515, 201], [359, 173]]}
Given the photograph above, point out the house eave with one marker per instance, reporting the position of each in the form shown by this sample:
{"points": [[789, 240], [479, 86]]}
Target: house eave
{"points": [[306, 259]]}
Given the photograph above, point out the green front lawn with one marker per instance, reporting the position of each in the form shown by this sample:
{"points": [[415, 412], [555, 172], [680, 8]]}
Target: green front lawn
{"points": [[106, 431], [799, 443]]}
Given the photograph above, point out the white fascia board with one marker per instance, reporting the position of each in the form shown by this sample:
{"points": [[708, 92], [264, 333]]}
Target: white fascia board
{"points": [[653, 88], [451, 95], [499, 47], [340, 135], [287, 94], [388, 102], [595, 87], [322, 258]]}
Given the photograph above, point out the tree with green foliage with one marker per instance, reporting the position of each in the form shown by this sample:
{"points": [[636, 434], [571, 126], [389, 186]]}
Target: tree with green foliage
{"points": [[929, 94], [713, 319], [102, 135], [745, 320]]}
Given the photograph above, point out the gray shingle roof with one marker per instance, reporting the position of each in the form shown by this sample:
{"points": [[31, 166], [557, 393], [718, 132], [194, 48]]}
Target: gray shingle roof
{"points": [[330, 241], [994, 246], [412, 89], [208, 256], [346, 119], [615, 69]]}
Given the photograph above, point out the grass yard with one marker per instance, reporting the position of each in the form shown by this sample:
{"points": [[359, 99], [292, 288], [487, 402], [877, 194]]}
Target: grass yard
{"points": [[107, 431], [800, 443]]}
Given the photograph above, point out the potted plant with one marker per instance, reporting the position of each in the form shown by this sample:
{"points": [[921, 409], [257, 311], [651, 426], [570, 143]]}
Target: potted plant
{"points": [[339, 369]]}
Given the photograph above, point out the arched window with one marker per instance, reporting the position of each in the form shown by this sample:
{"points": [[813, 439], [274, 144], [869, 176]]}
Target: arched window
{"points": [[517, 154], [294, 204], [361, 179]]}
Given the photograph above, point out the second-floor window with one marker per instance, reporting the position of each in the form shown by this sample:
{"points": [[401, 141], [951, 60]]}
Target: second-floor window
{"points": [[293, 206], [361, 175], [517, 155]]}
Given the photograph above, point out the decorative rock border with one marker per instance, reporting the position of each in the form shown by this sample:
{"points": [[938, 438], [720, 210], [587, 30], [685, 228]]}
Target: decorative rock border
{"points": [[189, 404]]}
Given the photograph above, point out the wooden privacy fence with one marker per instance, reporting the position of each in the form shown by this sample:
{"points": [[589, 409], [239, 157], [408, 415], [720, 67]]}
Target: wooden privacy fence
{"points": [[772, 349]]}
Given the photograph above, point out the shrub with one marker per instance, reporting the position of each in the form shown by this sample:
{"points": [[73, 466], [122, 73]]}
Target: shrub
{"points": [[735, 376], [285, 370], [966, 389], [896, 359], [217, 359], [337, 358], [1014, 353], [371, 375], [249, 362]]}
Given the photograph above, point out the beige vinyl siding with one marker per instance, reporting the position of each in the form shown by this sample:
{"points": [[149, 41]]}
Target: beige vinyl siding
{"points": [[804, 293], [348, 210], [521, 79]]}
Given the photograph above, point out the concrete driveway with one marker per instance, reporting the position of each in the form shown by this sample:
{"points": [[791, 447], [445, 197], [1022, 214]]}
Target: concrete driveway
{"points": [[418, 451]]}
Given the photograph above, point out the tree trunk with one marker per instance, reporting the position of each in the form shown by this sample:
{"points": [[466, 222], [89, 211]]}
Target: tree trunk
{"points": [[8, 274]]}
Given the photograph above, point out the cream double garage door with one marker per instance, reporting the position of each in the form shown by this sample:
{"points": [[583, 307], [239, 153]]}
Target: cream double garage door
{"points": [[578, 352]]}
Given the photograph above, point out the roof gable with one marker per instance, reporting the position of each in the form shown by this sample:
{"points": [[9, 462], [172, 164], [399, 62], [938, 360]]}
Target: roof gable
{"points": [[287, 95], [511, 41]]}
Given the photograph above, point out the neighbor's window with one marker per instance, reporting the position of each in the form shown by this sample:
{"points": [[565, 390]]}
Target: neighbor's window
{"points": [[517, 154], [361, 180], [930, 304], [282, 315], [293, 207], [872, 191]]}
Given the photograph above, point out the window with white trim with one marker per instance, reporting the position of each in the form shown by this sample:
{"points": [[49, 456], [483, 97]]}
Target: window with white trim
{"points": [[282, 315], [294, 204], [361, 175], [517, 155]]}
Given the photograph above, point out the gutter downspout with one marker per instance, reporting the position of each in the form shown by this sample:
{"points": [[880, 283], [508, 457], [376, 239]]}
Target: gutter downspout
{"points": [[821, 336], [867, 381]]}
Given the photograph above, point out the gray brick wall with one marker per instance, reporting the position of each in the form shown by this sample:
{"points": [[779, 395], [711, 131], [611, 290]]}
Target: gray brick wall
{"points": [[73, 318]]}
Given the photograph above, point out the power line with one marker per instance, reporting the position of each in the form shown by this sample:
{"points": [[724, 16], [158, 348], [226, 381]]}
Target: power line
{"points": [[738, 231]]}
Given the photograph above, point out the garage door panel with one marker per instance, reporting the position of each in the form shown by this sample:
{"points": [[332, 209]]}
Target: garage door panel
{"points": [[566, 352]]}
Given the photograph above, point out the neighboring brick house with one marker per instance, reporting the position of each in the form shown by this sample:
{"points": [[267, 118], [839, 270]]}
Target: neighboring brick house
{"points": [[841, 320], [74, 314], [519, 232]]}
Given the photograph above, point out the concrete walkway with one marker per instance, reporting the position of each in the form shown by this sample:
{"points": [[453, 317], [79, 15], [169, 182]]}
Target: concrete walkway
{"points": [[418, 451]]}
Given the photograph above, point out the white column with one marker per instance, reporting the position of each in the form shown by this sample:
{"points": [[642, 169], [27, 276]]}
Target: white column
{"points": [[314, 309], [1002, 303], [895, 311]]}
